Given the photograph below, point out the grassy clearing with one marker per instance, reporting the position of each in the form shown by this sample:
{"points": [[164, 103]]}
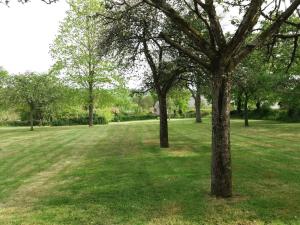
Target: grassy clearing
{"points": [[116, 174]]}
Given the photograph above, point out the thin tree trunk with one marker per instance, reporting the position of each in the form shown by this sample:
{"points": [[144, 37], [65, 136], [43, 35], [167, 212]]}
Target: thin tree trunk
{"points": [[239, 104], [221, 174], [31, 119], [198, 99], [198, 107], [91, 106], [164, 137], [41, 122], [258, 105], [246, 116]]}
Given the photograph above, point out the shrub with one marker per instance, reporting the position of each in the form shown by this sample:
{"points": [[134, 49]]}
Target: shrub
{"points": [[291, 115], [62, 121], [270, 114], [105, 113], [20, 123], [132, 117], [69, 121], [192, 114]]}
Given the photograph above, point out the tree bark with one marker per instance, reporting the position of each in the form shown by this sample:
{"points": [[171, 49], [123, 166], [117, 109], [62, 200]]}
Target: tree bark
{"points": [[246, 116], [258, 105], [163, 116], [198, 107], [221, 174], [239, 104], [198, 99], [91, 106], [31, 119]]}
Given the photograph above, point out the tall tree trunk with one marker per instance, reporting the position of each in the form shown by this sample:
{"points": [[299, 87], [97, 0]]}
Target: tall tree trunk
{"points": [[221, 174], [246, 116], [198, 106], [31, 119], [91, 106], [239, 104], [258, 105], [163, 116]]}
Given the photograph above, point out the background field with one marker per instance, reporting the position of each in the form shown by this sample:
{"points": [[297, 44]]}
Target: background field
{"points": [[117, 174]]}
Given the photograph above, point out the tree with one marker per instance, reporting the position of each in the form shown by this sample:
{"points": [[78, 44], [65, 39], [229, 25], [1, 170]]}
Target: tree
{"points": [[195, 83], [76, 50], [34, 92], [144, 101], [220, 54], [3, 81], [3, 76], [178, 99], [133, 35], [287, 83], [164, 75], [253, 82], [289, 97]]}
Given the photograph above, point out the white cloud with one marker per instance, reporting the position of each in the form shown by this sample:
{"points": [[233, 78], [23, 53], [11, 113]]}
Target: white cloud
{"points": [[27, 30]]}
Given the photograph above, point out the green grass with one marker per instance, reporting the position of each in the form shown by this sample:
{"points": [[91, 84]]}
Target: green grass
{"points": [[117, 174]]}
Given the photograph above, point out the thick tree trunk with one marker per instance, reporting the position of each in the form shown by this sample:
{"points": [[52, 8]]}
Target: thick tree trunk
{"points": [[91, 106], [246, 116], [198, 107], [221, 175], [31, 119], [164, 137]]}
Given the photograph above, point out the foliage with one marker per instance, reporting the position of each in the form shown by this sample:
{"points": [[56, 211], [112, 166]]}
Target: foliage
{"points": [[287, 88], [254, 79], [83, 120], [122, 117], [178, 100], [33, 92], [76, 51], [105, 113], [75, 48], [145, 103]]}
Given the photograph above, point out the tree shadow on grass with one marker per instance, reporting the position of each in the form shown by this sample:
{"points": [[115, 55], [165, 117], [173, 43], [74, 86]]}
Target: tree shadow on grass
{"points": [[135, 182], [136, 190]]}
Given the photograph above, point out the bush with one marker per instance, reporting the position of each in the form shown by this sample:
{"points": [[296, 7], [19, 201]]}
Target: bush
{"points": [[132, 117], [270, 114], [20, 123], [291, 115], [63, 121], [192, 114], [69, 121], [105, 113]]}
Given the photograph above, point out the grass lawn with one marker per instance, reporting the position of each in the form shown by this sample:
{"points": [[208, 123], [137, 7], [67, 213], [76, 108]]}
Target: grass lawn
{"points": [[117, 174]]}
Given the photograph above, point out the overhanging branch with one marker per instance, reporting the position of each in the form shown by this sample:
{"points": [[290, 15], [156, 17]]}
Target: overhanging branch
{"points": [[185, 51]]}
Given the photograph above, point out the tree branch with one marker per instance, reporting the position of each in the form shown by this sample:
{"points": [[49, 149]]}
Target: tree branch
{"points": [[185, 51], [247, 24], [271, 30], [185, 26]]}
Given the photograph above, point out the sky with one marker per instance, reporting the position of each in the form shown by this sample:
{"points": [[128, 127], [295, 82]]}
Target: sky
{"points": [[27, 30]]}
